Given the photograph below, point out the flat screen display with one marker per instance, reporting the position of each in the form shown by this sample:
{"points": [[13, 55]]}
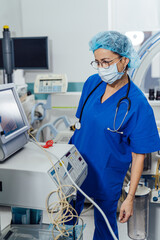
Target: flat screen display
{"points": [[11, 119], [30, 53]]}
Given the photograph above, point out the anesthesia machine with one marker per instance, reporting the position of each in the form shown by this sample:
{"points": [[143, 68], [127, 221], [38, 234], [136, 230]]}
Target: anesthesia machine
{"points": [[30, 172]]}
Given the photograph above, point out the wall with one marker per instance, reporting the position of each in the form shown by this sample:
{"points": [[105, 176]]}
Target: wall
{"points": [[142, 15], [69, 24], [10, 14]]}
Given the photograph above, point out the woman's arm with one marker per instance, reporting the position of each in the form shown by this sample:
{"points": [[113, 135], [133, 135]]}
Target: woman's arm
{"points": [[136, 171]]}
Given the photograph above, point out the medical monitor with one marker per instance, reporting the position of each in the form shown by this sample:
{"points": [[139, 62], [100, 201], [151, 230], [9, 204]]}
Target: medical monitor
{"points": [[13, 122], [30, 53]]}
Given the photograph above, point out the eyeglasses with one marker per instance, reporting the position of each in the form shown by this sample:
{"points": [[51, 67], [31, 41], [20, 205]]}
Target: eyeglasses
{"points": [[104, 64]]}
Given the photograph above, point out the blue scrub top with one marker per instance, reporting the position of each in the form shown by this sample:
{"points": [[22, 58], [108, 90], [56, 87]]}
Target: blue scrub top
{"points": [[108, 154]]}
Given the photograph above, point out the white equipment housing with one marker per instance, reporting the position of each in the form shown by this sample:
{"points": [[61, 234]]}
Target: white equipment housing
{"points": [[28, 177]]}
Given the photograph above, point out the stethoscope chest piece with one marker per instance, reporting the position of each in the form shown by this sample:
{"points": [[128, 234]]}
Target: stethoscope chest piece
{"points": [[77, 125]]}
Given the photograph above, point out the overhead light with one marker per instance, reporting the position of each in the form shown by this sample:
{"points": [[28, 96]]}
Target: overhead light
{"points": [[136, 37]]}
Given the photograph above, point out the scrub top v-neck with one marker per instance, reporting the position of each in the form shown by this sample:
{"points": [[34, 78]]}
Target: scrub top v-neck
{"points": [[108, 154]]}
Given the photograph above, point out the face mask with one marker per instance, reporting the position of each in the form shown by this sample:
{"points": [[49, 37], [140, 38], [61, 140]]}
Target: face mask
{"points": [[111, 74]]}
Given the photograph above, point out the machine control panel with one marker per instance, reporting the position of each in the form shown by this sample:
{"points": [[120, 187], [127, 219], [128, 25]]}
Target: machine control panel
{"points": [[51, 83], [76, 167]]}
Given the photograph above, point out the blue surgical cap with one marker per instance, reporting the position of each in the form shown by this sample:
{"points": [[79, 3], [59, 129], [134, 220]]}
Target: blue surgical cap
{"points": [[118, 43]]}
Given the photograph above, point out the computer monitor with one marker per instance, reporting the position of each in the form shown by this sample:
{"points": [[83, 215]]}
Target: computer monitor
{"points": [[28, 53], [13, 122]]}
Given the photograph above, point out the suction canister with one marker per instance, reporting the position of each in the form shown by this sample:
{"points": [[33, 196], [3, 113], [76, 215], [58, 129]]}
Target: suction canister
{"points": [[138, 223]]}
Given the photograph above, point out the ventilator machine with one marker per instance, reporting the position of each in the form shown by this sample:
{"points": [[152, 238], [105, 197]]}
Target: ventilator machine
{"points": [[29, 173]]}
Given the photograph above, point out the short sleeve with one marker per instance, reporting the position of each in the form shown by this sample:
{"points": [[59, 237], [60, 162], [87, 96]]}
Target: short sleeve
{"points": [[144, 137]]}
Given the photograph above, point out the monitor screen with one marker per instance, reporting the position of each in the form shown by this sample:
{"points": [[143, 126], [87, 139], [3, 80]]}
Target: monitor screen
{"points": [[30, 53], [11, 119], [14, 125]]}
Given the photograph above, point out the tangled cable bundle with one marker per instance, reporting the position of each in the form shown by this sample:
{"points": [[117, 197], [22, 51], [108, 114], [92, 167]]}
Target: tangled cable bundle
{"points": [[60, 212]]}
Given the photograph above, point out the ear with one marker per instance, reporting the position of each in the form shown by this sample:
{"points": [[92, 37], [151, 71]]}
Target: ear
{"points": [[126, 61]]}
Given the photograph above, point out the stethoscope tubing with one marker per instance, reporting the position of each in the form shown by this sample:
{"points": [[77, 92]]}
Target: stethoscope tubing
{"points": [[87, 100], [118, 104]]}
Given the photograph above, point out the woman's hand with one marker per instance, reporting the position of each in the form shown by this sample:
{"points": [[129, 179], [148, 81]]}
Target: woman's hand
{"points": [[126, 209], [137, 168]]}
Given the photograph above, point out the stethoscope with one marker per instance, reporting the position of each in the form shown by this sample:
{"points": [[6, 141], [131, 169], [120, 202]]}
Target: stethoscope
{"points": [[78, 124]]}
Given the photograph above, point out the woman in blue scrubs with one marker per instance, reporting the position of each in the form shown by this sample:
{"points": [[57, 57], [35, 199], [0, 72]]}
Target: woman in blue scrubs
{"points": [[117, 128]]}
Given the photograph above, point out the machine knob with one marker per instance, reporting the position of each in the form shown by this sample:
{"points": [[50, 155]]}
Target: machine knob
{"points": [[155, 199]]}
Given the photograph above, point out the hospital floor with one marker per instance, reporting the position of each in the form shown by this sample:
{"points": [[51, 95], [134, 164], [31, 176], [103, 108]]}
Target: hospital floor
{"points": [[88, 218]]}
